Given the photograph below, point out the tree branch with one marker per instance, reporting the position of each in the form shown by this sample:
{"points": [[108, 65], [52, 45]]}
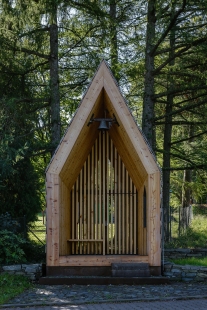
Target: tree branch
{"points": [[201, 167], [186, 139], [180, 123], [179, 53], [182, 109], [168, 28]]}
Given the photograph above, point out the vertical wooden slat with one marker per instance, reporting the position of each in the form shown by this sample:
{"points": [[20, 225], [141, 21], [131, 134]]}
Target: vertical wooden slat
{"points": [[103, 190], [67, 220], [84, 209], [111, 185], [73, 215], [96, 196], [61, 218], [145, 201], [135, 219], [100, 190], [115, 201], [108, 193], [88, 195], [92, 198], [77, 215], [123, 209], [81, 211], [131, 218], [119, 204], [127, 212]]}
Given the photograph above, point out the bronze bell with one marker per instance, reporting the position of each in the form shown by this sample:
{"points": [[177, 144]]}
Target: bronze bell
{"points": [[103, 125]]}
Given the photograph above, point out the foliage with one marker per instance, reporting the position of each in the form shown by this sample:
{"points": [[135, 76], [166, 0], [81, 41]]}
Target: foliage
{"points": [[11, 251], [88, 31], [196, 261], [8, 223], [194, 237], [200, 210], [11, 286], [34, 252]]}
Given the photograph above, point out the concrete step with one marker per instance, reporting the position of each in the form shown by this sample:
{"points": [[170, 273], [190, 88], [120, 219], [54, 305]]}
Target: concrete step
{"points": [[130, 270], [58, 280]]}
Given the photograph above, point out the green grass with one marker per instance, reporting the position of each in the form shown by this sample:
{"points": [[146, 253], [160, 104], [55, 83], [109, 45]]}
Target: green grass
{"points": [[39, 230], [195, 236], [191, 261], [11, 286]]}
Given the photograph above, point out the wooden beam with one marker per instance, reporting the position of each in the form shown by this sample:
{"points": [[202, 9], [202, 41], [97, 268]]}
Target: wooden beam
{"points": [[53, 202], [118, 106], [153, 222], [100, 260], [78, 128]]}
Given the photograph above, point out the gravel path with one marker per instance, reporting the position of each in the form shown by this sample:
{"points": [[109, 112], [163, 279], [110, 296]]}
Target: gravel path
{"points": [[61, 295]]}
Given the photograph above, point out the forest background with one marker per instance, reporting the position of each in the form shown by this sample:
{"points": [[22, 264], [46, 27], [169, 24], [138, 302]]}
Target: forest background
{"points": [[50, 50]]}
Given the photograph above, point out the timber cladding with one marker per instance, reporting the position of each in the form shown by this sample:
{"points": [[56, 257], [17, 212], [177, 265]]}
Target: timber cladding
{"points": [[103, 187]]}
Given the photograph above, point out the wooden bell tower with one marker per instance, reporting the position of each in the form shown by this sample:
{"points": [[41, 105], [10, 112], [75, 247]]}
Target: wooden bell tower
{"points": [[103, 187]]}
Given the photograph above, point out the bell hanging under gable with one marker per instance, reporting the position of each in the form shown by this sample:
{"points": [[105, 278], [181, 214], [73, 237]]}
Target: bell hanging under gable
{"points": [[103, 125]]}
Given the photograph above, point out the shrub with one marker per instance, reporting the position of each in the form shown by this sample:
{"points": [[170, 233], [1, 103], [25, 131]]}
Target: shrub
{"points": [[11, 251], [8, 223]]}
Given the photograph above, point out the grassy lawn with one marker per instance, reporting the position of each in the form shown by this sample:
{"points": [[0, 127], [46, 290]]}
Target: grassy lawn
{"points": [[191, 261], [195, 236], [11, 286]]}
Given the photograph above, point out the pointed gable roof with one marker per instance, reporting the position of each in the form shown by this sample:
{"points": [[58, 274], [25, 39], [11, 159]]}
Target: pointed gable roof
{"points": [[103, 94]]}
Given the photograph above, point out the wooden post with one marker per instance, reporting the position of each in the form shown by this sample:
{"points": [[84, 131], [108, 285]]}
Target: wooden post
{"points": [[52, 219], [153, 220]]}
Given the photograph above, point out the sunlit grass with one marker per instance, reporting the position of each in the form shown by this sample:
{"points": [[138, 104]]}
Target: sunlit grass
{"points": [[39, 230], [191, 261], [194, 237]]}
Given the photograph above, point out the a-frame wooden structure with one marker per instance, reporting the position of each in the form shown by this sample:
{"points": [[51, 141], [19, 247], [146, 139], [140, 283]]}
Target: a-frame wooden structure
{"points": [[103, 188]]}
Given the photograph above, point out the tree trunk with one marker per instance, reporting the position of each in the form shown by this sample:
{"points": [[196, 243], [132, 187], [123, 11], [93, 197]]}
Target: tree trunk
{"points": [[167, 140], [113, 41], [54, 84], [148, 102], [186, 207]]}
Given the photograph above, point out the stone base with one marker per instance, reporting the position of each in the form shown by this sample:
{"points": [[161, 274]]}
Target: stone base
{"points": [[103, 280], [130, 270], [104, 271]]}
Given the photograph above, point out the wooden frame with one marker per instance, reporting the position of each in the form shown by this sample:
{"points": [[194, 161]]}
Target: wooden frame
{"points": [[86, 162]]}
